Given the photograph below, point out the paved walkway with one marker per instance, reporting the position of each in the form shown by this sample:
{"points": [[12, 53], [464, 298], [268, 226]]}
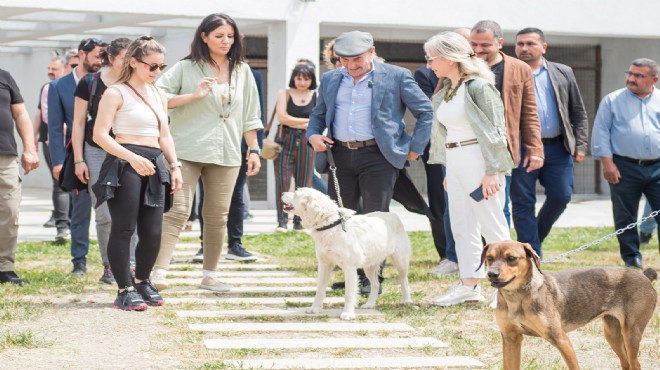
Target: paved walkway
{"points": [[36, 207]]}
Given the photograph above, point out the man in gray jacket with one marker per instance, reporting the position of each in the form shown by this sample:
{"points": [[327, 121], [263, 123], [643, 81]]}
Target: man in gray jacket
{"points": [[564, 128]]}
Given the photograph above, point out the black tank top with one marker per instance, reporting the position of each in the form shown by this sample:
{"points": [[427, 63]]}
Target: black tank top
{"points": [[298, 111]]}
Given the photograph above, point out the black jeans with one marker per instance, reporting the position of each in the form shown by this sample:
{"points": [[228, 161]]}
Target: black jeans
{"points": [[237, 207], [128, 212], [435, 175]]}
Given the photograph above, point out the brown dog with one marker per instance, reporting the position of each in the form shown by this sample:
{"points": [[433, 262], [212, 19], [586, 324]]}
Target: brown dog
{"points": [[550, 304]]}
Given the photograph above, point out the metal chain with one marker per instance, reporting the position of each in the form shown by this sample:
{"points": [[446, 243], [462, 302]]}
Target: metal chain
{"points": [[333, 169], [598, 241]]}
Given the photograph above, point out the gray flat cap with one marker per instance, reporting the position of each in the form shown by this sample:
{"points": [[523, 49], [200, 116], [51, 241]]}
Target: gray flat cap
{"points": [[350, 44]]}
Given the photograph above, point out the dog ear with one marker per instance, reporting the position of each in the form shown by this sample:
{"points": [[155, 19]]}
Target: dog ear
{"points": [[531, 254], [483, 256]]}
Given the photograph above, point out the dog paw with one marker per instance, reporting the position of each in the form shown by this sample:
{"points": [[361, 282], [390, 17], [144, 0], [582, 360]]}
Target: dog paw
{"points": [[313, 310], [347, 316], [368, 306]]}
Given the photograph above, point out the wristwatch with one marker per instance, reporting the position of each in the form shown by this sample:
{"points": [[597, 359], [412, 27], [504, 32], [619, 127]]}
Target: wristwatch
{"points": [[175, 165], [255, 150]]}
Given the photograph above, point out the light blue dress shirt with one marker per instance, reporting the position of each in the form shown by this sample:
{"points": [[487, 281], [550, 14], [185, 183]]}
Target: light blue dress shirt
{"points": [[627, 125], [353, 108], [546, 103]]}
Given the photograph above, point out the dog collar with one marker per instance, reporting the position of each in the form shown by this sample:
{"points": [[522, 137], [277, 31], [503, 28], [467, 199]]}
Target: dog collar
{"points": [[341, 221]]}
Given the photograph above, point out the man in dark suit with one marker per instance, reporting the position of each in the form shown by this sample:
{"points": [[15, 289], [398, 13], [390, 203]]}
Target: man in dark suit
{"points": [[564, 133], [60, 116], [362, 105]]}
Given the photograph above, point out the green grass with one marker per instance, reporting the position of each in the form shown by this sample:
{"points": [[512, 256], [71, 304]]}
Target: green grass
{"points": [[469, 330]]}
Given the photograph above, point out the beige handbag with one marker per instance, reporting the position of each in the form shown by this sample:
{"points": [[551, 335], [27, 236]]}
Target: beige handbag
{"points": [[271, 150]]}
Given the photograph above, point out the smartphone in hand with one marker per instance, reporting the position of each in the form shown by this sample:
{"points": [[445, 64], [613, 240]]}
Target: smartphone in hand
{"points": [[478, 194]]}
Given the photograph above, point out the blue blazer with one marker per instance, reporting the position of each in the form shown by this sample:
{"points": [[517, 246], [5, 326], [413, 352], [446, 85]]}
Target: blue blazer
{"points": [[394, 90], [60, 111]]}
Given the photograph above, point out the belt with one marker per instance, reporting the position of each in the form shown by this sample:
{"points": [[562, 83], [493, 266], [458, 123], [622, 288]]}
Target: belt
{"points": [[461, 143], [356, 144], [552, 140], [641, 162]]}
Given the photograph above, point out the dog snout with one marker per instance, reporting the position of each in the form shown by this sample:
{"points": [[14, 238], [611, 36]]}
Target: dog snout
{"points": [[493, 275]]}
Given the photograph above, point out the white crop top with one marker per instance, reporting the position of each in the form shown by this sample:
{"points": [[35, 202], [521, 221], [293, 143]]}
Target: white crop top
{"points": [[135, 117]]}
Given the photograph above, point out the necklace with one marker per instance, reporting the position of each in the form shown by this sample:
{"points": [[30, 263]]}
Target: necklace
{"points": [[450, 93], [226, 98]]}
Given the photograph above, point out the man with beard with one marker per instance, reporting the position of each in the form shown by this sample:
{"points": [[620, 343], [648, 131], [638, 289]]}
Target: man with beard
{"points": [[625, 138], [60, 216], [60, 112]]}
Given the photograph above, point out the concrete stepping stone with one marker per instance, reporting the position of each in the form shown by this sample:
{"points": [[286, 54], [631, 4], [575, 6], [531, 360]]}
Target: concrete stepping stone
{"points": [[228, 266], [187, 259], [249, 281], [244, 290], [234, 327], [251, 300], [334, 342], [358, 363], [274, 313], [251, 274]]}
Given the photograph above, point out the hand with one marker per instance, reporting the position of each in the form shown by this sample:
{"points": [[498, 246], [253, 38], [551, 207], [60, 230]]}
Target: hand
{"points": [[29, 161], [56, 171], [82, 173], [176, 180], [579, 157], [412, 156], [142, 166], [532, 163], [610, 170], [253, 164], [318, 142], [204, 87], [490, 185]]}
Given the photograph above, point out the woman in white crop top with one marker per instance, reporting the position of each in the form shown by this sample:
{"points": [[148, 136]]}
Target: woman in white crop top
{"points": [[469, 137], [133, 177]]}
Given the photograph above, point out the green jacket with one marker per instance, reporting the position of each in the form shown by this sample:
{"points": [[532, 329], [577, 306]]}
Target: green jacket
{"points": [[486, 114]]}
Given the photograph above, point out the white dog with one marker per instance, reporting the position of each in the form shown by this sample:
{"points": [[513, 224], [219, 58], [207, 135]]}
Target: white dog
{"points": [[360, 241]]}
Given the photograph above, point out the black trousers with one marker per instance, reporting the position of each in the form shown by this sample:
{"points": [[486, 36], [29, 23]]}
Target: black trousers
{"points": [[128, 213]]}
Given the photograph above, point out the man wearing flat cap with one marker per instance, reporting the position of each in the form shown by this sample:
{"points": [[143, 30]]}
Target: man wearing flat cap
{"points": [[362, 105]]}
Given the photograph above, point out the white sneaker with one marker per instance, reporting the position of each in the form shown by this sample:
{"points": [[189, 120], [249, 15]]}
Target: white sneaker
{"points": [[445, 267], [460, 294], [159, 281], [210, 282], [493, 300]]}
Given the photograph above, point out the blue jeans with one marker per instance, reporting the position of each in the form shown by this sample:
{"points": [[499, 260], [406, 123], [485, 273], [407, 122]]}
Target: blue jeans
{"points": [[556, 177], [635, 180], [648, 226], [81, 213], [236, 208]]}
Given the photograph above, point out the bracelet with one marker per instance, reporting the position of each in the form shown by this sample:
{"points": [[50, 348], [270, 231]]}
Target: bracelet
{"points": [[79, 162], [174, 165]]}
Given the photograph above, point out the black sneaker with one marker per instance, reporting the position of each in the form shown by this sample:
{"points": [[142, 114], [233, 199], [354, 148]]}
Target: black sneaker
{"points": [[149, 293], [199, 256], [51, 222], [130, 300], [11, 278], [62, 234], [238, 253], [108, 277], [79, 269], [644, 238]]}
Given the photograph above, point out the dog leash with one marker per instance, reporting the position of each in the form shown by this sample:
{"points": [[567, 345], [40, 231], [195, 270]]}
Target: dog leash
{"points": [[333, 169], [598, 241]]}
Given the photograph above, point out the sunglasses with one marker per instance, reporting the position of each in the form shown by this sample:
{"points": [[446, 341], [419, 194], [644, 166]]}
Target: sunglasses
{"points": [[334, 60], [153, 66], [73, 65], [91, 43]]}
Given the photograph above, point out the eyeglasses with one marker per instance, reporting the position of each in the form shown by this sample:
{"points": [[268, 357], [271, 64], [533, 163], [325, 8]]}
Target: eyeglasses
{"points": [[334, 60], [73, 65], [89, 44], [429, 59], [153, 66], [636, 75]]}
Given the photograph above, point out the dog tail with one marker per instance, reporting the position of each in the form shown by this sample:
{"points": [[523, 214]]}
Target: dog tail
{"points": [[651, 274]]}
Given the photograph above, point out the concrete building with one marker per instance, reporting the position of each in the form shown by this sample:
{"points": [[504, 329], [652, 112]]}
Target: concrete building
{"points": [[597, 38]]}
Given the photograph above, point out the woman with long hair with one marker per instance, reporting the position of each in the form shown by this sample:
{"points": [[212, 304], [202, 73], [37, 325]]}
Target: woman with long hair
{"points": [[88, 156], [296, 161], [213, 103], [469, 137], [134, 177]]}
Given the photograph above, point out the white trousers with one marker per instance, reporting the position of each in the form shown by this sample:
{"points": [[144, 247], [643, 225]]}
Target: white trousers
{"points": [[470, 220]]}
